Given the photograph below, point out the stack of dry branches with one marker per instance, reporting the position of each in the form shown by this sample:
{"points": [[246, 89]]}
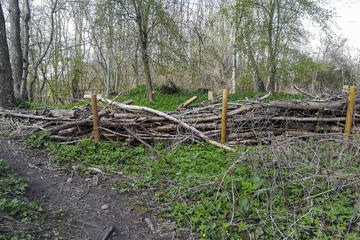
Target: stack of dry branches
{"points": [[248, 122]]}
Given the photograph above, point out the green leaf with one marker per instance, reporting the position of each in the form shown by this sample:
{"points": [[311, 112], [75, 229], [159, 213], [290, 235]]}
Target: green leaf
{"points": [[256, 182]]}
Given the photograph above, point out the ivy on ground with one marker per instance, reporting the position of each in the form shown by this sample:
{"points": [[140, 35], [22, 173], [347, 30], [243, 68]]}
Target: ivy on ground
{"points": [[303, 192]]}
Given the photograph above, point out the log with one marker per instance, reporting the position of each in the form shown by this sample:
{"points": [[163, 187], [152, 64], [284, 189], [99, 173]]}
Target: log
{"points": [[308, 119], [187, 103], [63, 113], [302, 91], [28, 116], [306, 105], [265, 96], [78, 124], [68, 131], [255, 134], [128, 102]]}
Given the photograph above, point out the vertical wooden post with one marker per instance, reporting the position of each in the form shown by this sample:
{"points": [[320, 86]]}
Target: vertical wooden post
{"points": [[350, 111], [210, 96], [95, 118], [223, 116]]}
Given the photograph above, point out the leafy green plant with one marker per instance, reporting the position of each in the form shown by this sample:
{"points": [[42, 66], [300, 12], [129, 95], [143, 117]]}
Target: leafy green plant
{"points": [[201, 192], [39, 141], [14, 204]]}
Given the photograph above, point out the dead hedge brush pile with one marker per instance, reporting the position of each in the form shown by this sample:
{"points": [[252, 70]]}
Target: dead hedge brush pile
{"points": [[248, 122]]}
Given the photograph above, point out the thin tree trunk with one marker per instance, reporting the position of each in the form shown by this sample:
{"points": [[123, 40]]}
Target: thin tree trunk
{"points": [[145, 58], [23, 90], [7, 98], [233, 74], [15, 45], [259, 83]]}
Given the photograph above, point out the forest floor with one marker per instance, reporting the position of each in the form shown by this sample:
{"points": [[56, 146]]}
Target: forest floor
{"points": [[73, 207]]}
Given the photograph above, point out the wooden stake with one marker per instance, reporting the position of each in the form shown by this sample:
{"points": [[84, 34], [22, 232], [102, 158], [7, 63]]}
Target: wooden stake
{"points": [[95, 118], [187, 103], [210, 96], [223, 116], [350, 111]]}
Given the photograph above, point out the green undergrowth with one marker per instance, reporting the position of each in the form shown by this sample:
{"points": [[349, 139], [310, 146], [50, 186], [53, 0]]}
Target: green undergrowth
{"points": [[302, 190], [163, 102], [14, 208], [166, 102], [38, 106]]}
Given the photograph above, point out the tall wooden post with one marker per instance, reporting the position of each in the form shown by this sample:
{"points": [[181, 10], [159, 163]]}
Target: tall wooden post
{"points": [[223, 116], [95, 118], [350, 111]]}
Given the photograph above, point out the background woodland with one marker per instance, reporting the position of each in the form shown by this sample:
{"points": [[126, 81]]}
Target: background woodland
{"points": [[61, 49]]}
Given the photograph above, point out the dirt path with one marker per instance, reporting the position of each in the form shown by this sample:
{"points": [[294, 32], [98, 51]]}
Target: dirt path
{"points": [[90, 209]]}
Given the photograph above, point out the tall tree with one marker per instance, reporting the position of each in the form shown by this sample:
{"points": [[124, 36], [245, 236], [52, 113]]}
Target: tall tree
{"points": [[275, 26], [7, 98], [143, 10], [15, 45], [147, 14]]}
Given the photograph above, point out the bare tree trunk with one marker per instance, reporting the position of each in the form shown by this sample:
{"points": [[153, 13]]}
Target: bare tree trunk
{"points": [[234, 62], [273, 43], [142, 17], [259, 83], [7, 98], [145, 58], [135, 65], [23, 90], [15, 45]]}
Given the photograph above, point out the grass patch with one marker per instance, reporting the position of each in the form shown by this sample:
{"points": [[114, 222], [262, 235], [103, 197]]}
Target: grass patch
{"points": [[298, 190], [165, 102], [39, 106]]}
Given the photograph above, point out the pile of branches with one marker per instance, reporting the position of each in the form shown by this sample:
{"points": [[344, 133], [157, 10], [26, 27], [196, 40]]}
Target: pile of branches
{"points": [[248, 122]]}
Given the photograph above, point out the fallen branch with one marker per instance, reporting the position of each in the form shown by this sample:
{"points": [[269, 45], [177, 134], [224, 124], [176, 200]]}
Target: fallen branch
{"points": [[302, 91], [187, 103]]}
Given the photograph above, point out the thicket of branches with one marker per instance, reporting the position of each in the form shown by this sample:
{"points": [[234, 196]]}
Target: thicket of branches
{"points": [[59, 49]]}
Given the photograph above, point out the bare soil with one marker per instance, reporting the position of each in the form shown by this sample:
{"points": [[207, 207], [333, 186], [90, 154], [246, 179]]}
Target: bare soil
{"points": [[85, 208]]}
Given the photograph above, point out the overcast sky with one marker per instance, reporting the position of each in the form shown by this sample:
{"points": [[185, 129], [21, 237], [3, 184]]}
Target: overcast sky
{"points": [[348, 20]]}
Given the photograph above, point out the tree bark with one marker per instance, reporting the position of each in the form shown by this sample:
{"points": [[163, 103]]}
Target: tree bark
{"points": [[7, 98], [145, 58], [144, 41], [259, 83], [15, 44], [23, 86], [233, 74]]}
